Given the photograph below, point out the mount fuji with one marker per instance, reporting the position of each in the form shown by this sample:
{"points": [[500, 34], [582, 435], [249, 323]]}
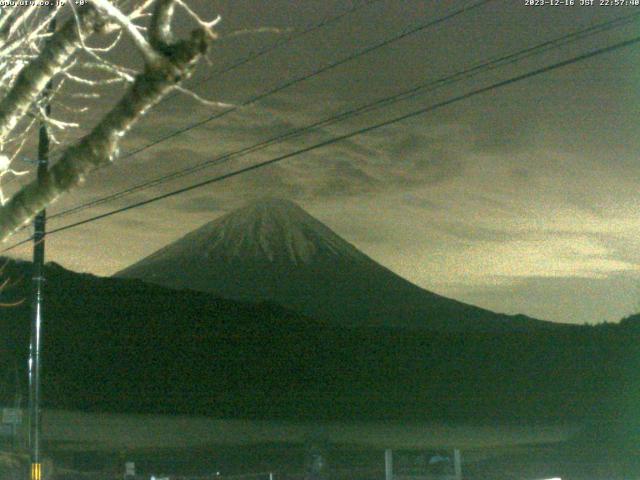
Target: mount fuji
{"points": [[273, 250]]}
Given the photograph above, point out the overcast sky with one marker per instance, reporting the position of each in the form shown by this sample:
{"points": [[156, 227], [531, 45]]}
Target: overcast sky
{"points": [[521, 200]]}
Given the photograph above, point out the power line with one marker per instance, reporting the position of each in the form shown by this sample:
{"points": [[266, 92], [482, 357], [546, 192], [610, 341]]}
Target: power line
{"points": [[278, 44], [314, 73], [404, 95], [405, 33], [354, 133], [249, 58], [291, 82], [364, 51]]}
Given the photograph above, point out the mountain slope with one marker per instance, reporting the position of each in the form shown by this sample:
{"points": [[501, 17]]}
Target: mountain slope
{"points": [[123, 345], [274, 250]]}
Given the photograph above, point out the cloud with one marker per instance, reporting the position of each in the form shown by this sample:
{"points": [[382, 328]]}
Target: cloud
{"points": [[523, 198], [393, 158], [200, 204], [476, 233], [566, 299]]}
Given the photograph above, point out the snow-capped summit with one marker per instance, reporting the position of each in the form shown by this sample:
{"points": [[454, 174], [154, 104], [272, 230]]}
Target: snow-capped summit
{"points": [[273, 250], [270, 229]]}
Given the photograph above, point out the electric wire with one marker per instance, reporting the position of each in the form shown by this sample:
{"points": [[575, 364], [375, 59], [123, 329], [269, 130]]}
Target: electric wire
{"points": [[364, 51], [291, 82], [249, 58], [331, 141], [278, 44], [404, 95]]}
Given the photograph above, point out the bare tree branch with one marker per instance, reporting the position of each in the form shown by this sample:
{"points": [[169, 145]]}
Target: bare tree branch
{"points": [[147, 51], [34, 77], [160, 34], [174, 62]]}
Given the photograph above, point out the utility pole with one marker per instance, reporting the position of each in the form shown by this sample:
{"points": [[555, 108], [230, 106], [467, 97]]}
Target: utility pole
{"points": [[37, 295]]}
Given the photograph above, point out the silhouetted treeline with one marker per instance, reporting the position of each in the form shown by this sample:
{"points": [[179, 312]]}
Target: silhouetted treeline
{"points": [[125, 346]]}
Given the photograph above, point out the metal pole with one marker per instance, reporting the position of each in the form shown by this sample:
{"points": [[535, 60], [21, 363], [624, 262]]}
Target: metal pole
{"points": [[39, 226], [388, 464], [457, 464], [36, 319]]}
